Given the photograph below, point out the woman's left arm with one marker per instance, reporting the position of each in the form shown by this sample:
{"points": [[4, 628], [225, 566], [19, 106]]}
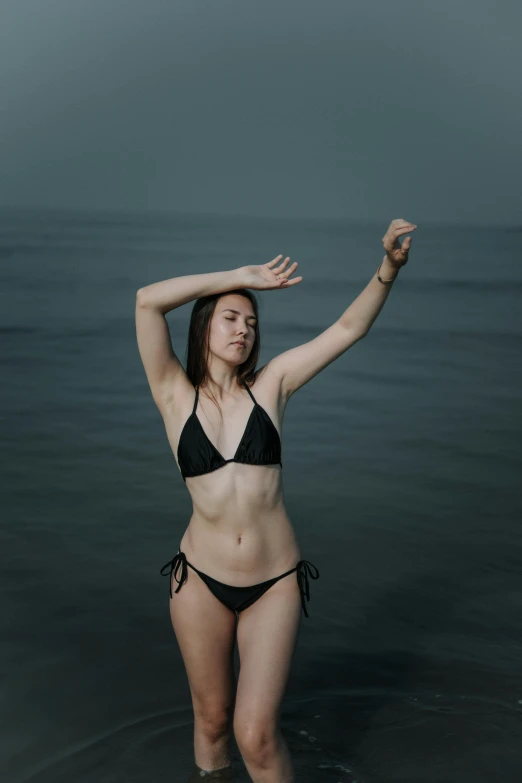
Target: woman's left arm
{"points": [[364, 310], [298, 365]]}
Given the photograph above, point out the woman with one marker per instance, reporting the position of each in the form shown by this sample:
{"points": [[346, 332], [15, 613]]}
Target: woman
{"points": [[238, 568]]}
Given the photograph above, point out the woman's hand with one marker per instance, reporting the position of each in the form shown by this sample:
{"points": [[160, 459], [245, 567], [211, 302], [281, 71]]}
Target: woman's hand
{"points": [[265, 277], [397, 254]]}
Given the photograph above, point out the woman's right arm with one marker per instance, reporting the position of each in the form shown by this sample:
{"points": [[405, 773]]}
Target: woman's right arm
{"points": [[164, 371]]}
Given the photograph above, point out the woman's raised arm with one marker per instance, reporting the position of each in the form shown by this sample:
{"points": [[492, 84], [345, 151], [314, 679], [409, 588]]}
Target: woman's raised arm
{"points": [[162, 367], [169, 294]]}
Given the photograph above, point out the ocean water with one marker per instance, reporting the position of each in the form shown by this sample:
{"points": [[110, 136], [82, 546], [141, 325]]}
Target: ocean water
{"points": [[402, 466]]}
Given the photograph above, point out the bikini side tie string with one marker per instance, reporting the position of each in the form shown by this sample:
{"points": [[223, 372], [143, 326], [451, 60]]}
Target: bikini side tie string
{"points": [[178, 562], [304, 569]]}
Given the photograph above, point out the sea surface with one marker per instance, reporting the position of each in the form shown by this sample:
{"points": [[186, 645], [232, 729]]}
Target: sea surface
{"points": [[402, 466]]}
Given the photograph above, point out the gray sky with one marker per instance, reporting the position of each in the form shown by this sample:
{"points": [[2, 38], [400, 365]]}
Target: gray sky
{"points": [[322, 108]]}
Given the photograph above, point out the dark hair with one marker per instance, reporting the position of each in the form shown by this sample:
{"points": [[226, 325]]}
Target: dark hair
{"points": [[198, 346]]}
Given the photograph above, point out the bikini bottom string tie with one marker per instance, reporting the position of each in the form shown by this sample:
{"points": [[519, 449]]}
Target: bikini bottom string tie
{"points": [[304, 570], [178, 562]]}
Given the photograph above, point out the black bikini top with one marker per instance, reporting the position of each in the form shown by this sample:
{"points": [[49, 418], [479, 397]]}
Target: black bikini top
{"points": [[260, 444]]}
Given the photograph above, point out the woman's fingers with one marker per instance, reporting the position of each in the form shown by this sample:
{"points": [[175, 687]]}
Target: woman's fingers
{"points": [[274, 261], [391, 240], [400, 222], [289, 270], [281, 272], [400, 227], [293, 281], [277, 260], [285, 282], [282, 265], [396, 229]]}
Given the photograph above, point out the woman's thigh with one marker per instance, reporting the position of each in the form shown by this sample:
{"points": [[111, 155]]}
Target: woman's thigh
{"points": [[267, 635], [205, 630]]}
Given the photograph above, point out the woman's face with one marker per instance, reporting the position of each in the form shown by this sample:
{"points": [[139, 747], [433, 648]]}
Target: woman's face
{"points": [[233, 320]]}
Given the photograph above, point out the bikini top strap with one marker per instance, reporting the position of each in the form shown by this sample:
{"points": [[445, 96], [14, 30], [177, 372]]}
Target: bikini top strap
{"points": [[248, 390], [197, 396]]}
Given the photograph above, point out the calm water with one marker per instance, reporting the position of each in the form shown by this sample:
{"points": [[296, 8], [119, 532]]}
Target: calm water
{"points": [[401, 462]]}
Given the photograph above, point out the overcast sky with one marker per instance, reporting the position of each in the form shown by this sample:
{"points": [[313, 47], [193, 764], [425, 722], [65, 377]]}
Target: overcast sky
{"points": [[363, 109]]}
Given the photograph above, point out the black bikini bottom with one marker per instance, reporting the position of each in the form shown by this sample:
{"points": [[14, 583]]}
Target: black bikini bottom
{"points": [[239, 598]]}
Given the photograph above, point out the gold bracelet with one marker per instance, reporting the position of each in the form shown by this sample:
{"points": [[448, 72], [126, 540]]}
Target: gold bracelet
{"points": [[380, 278]]}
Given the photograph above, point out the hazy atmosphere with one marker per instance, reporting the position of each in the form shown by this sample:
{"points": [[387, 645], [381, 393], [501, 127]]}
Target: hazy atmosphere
{"points": [[358, 110], [147, 141]]}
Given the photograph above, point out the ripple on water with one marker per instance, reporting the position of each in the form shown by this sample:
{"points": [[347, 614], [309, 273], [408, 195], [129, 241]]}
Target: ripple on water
{"points": [[347, 737]]}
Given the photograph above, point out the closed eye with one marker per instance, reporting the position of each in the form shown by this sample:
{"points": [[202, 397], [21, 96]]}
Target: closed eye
{"points": [[252, 326]]}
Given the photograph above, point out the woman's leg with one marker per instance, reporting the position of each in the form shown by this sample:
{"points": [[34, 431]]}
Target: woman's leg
{"points": [[205, 630], [266, 634]]}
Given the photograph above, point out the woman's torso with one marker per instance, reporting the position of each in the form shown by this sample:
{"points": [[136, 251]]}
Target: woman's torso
{"points": [[239, 531]]}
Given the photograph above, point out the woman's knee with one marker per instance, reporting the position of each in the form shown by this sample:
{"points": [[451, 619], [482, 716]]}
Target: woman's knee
{"points": [[257, 739], [213, 720]]}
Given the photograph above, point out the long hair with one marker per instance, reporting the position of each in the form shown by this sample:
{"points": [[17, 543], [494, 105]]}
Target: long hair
{"points": [[198, 345]]}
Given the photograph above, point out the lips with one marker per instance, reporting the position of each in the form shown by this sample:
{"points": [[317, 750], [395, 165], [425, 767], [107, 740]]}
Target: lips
{"points": [[238, 342]]}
